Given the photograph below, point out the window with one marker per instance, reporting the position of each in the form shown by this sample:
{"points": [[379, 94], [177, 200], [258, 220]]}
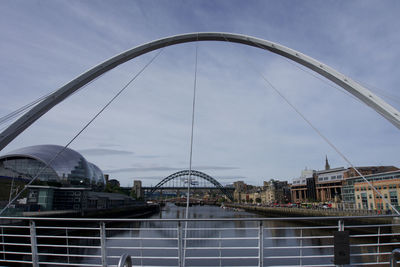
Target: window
{"points": [[393, 198], [370, 196], [364, 200]]}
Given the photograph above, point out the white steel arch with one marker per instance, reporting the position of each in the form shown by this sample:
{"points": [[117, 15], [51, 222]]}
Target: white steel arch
{"points": [[366, 96]]}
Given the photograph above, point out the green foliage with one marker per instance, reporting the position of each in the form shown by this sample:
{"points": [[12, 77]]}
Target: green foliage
{"points": [[115, 189], [221, 200]]}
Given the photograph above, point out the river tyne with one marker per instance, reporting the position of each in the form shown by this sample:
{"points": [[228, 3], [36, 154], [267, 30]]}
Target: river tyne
{"points": [[238, 239]]}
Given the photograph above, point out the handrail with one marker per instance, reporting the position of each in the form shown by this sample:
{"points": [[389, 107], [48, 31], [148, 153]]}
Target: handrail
{"points": [[159, 242], [394, 257], [322, 218], [125, 260]]}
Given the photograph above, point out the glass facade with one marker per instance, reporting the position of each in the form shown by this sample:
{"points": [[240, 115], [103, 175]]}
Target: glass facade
{"points": [[27, 168], [53, 165], [348, 187]]}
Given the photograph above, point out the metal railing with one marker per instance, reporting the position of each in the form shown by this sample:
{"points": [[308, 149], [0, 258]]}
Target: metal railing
{"points": [[205, 242]]}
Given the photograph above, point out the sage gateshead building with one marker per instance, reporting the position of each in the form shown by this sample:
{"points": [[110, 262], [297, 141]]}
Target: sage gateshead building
{"points": [[51, 165], [63, 179]]}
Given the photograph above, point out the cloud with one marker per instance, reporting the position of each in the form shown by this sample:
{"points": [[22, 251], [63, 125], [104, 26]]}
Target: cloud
{"points": [[163, 168], [104, 152], [231, 177], [139, 169], [214, 168], [243, 129]]}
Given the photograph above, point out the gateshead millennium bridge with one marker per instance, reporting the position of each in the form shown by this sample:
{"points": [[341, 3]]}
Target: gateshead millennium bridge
{"points": [[228, 241], [362, 93]]}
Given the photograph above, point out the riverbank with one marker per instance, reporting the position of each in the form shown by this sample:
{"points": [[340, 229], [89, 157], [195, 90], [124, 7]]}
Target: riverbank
{"points": [[300, 212]]}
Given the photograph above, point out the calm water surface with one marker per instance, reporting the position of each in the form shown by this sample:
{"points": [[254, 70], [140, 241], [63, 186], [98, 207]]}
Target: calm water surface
{"points": [[241, 240]]}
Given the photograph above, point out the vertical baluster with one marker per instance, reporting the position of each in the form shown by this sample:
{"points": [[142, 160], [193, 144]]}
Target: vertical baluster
{"points": [[35, 262], [2, 241], [103, 244], [261, 244], [301, 247], [179, 229], [67, 241], [141, 249], [378, 248], [219, 243]]}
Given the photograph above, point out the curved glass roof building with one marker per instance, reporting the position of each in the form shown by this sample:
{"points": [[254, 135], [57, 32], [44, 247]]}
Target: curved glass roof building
{"points": [[53, 165]]}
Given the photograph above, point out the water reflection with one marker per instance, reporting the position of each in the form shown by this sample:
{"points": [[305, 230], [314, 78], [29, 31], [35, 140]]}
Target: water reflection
{"points": [[239, 239]]}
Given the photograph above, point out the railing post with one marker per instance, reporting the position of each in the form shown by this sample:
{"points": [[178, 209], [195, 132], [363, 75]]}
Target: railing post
{"points": [[220, 252], [2, 241], [261, 244], [141, 249], [180, 244], [35, 262], [67, 242], [301, 247], [103, 244], [378, 248]]}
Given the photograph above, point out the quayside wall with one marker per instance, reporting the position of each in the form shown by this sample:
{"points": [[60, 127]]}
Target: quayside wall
{"points": [[302, 212]]}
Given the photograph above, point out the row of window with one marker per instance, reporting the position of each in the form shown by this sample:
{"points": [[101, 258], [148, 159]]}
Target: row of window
{"points": [[393, 198], [392, 186], [334, 177]]}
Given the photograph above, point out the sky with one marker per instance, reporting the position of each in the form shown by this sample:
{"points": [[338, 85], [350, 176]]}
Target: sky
{"points": [[243, 130]]}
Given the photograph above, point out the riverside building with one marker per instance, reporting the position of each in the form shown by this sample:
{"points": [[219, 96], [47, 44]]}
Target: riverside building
{"points": [[64, 179], [358, 194]]}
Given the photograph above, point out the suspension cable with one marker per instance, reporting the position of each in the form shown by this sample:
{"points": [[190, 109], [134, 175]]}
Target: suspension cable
{"points": [[377, 91], [327, 141], [381, 92], [24, 108], [83, 129], [191, 151], [318, 132]]}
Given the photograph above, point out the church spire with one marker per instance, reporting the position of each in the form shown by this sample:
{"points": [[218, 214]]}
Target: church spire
{"points": [[327, 167]]}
